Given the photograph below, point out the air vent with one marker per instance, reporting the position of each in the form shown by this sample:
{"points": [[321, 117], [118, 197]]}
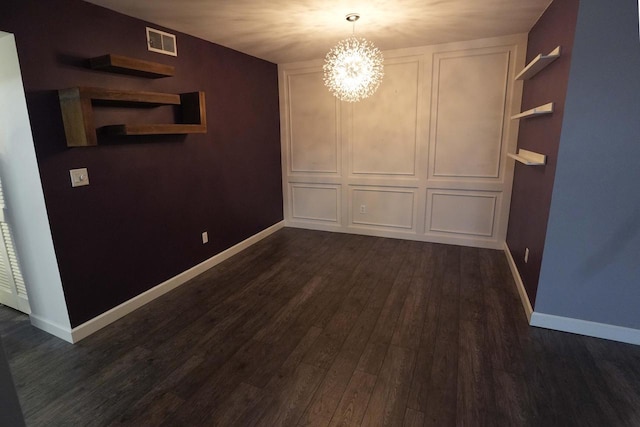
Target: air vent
{"points": [[161, 42]]}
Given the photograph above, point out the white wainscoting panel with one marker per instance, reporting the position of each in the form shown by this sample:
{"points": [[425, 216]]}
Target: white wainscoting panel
{"points": [[468, 112], [312, 202], [461, 212], [313, 121], [386, 208], [384, 138], [424, 158]]}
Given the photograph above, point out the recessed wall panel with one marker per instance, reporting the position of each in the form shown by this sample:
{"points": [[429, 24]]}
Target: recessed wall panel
{"points": [[468, 113], [312, 110], [315, 202], [384, 125], [393, 208], [423, 158], [461, 212]]}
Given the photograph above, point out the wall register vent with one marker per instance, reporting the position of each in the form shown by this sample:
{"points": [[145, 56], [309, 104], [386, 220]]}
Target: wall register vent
{"points": [[161, 42]]}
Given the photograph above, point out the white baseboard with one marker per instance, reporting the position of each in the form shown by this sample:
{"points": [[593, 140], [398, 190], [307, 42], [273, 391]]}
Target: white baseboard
{"points": [[522, 291], [569, 324], [99, 322], [585, 327], [62, 332], [333, 228], [403, 235]]}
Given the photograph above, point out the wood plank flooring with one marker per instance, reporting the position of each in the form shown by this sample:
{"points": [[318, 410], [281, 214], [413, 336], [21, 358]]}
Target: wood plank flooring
{"points": [[310, 328]]}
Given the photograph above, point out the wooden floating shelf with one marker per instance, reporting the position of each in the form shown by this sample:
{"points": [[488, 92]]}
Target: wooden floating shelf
{"points": [[171, 129], [538, 111], [77, 113], [538, 64], [529, 158], [135, 67], [122, 98]]}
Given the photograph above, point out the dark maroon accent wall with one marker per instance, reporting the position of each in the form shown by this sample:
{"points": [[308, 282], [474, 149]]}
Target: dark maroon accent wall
{"points": [[533, 185], [140, 221]]}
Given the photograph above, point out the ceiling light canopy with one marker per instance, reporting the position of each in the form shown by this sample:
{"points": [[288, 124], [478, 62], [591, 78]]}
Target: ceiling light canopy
{"points": [[353, 68]]}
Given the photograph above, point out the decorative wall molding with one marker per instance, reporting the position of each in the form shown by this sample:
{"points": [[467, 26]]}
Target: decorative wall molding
{"points": [[315, 202], [387, 142], [585, 327], [383, 207], [469, 115], [384, 130], [82, 331], [524, 298], [461, 212], [315, 146], [460, 240]]}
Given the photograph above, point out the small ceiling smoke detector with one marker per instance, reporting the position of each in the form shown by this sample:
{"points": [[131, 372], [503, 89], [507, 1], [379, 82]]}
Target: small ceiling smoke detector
{"points": [[161, 42]]}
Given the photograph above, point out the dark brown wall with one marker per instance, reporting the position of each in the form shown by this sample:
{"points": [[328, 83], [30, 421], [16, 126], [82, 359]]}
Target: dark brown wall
{"points": [[140, 221], [533, 185]]}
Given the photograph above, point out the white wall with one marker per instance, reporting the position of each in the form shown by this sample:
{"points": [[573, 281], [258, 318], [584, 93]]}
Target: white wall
{"points": [[424, 158], [26, 211]]}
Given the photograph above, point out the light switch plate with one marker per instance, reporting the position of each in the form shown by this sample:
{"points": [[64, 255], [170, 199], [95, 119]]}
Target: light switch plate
{"points": [[79, 177]]}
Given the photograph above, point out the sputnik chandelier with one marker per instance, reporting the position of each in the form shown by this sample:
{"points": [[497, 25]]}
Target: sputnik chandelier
{"points": [[353, 68]]}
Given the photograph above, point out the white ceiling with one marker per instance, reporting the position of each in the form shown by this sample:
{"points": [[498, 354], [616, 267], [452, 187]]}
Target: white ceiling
{"points": [[284, 31]]}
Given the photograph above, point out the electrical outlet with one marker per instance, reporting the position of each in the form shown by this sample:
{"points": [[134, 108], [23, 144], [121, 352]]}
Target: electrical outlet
{"points": [[205, 237], [526, 255], [363, 209]]}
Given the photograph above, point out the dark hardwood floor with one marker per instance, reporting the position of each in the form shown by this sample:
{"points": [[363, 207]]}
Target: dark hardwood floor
{"points": [[310, 328]]}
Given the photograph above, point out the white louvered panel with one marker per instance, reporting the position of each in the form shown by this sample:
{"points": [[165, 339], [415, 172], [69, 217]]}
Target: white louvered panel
{"points": [[6, 283], [14, 266], [20, 286], [2, 219]]}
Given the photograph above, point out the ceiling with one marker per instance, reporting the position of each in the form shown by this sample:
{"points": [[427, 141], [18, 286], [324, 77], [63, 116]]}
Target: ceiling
{"points": [[283, 31]]}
